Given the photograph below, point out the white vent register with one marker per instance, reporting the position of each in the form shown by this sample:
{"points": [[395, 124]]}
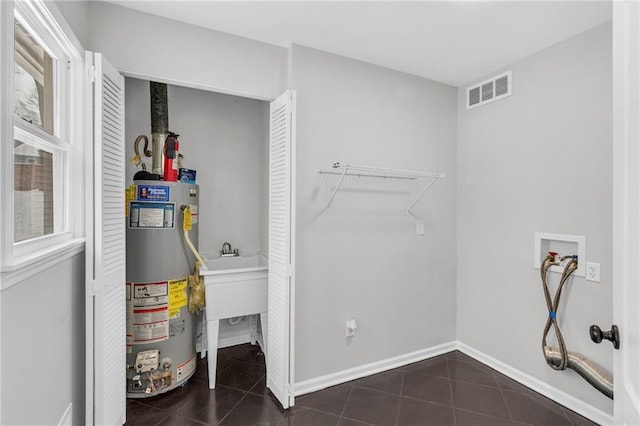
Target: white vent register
{"points": [[490, 90]]}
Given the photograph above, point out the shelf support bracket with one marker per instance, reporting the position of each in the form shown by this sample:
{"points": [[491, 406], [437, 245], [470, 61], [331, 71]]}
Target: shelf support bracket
{"points": [[424, 191], [337, 188]]}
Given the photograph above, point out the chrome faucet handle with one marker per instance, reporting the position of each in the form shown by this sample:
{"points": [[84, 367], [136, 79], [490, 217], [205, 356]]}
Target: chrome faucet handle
{"points": [[226, 248]]}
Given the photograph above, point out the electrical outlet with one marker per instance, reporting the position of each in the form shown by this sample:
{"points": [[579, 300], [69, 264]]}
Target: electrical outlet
{"points": [[593, 272], [419, 227]]}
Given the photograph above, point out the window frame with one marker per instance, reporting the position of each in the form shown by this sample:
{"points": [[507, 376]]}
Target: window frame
{"points": [[24, 132], [56, 78], [46, 24]]}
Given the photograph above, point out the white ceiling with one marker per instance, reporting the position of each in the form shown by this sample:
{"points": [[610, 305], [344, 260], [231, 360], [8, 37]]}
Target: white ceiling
{"points": [[454, 42]]}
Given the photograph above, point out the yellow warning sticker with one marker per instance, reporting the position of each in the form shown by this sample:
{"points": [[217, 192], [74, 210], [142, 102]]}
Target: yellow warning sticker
{"points": [[186, 222], [177, 296], [130, 194]]}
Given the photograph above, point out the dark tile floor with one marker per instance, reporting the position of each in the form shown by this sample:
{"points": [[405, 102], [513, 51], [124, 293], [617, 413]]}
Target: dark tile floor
{"points": [[450, 389]]}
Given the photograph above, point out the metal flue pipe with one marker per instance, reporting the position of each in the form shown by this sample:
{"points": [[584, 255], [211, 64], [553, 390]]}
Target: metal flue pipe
{"points": [[159, 124]]}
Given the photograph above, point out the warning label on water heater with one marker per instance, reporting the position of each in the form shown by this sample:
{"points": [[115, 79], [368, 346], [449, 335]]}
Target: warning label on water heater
{"points": [[151, 215], [147, 313], [151, 332], [177, 296], [184, 370]]}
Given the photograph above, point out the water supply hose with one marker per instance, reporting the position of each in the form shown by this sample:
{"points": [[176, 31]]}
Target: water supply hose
{"points": [[552, 306], [186, 227], [559, 358], [196, 281], [194, 250]]}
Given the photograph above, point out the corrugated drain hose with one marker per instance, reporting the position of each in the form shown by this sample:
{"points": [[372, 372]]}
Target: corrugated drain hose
{"points": [[559, 358]]}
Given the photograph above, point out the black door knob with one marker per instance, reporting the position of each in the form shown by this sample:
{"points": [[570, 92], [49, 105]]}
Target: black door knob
{"points": [[612, 335]]}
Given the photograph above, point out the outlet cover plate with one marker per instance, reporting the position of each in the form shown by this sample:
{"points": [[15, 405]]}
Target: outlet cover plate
{"points": [[593, 272]]}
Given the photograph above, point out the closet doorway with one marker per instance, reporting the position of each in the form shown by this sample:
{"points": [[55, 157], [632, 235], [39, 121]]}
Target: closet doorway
{"points": [[278, 199]]}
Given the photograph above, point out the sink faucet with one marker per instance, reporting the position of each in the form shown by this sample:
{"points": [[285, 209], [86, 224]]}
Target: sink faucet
{"points": [[226, 248]]}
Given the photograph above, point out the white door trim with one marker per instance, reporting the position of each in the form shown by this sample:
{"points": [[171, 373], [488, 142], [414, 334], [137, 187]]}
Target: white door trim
{"points": [[626, 209]]}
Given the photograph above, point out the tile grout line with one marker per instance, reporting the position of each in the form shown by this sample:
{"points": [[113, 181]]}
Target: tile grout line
{"points": [[240, 400], [504, 399], [400, 399], [453, 404], [377, 390], [234, 407], [565, 411], [344, 407], [163, 419]]}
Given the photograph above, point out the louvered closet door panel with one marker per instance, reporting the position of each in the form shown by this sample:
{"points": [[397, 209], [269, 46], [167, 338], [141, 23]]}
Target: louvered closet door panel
{"points": [[281, 226], [109, 328]]}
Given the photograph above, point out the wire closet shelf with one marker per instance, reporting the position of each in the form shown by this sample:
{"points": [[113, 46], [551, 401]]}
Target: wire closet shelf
{"points": [[379, 172]]}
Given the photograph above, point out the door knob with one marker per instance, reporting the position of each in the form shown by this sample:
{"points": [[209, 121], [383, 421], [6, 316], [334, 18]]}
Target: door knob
{"points": [[613, 335]]}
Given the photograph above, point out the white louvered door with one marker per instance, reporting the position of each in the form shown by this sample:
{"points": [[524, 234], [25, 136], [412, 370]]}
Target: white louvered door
{"points": [[281, 248], [105, 322]]}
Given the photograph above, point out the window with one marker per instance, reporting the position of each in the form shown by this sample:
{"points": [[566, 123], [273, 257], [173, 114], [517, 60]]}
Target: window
{"points": [[41, 108], [33, 83], [39, 148], [37, 178], [34, 197]]}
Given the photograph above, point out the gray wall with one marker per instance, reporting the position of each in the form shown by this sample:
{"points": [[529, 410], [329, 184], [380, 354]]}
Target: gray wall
{"points": [[539, 160], [224, 139], [363, 258], [76, 14], [193, 56], [43, 346]]}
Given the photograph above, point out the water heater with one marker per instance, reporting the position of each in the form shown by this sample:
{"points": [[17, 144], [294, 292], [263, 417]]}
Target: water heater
{"points": [[160, 329]]}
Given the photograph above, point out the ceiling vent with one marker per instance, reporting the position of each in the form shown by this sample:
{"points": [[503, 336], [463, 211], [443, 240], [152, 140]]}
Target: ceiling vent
{"points": [[495, 88]]}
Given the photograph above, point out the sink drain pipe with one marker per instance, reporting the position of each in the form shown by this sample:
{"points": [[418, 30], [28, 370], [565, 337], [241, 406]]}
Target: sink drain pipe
{"points": [[559, 358]]}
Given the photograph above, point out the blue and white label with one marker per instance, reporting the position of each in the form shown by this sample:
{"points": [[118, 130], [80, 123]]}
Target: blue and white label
{"points": [[151, 215], [153, 193]]}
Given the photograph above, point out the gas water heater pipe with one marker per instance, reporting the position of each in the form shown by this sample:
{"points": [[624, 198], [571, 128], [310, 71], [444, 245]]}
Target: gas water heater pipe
{"points": [[186, 227], [559, 358], [159, 124]]}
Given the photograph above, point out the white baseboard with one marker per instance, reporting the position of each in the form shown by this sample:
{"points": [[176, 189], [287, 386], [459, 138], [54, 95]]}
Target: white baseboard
{"points": [[539, 386], [66, 419], [322, 382]]}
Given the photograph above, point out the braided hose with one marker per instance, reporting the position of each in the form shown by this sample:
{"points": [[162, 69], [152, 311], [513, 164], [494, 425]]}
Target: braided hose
{"points": [[559, 358]]}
